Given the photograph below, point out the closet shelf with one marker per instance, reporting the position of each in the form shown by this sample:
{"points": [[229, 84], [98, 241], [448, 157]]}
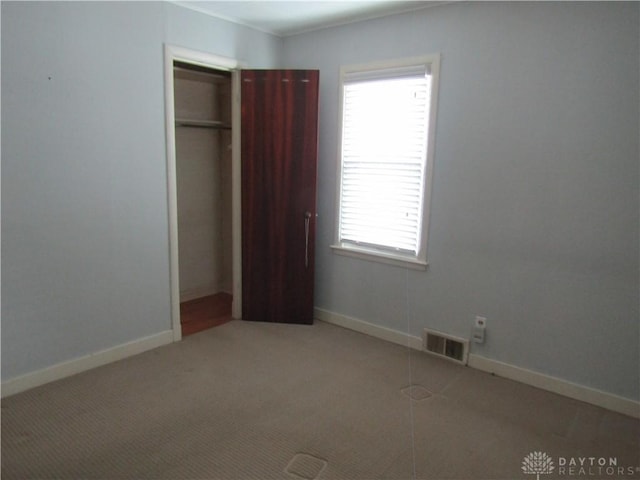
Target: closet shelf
{"points": [[188, 73], [186, 122]]}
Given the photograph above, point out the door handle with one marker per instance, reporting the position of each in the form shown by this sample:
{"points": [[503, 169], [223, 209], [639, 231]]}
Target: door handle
{"points": [[307, 219]]}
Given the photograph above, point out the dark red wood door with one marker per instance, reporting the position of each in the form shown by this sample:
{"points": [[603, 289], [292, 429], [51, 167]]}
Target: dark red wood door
{"points": [[279, 157]]}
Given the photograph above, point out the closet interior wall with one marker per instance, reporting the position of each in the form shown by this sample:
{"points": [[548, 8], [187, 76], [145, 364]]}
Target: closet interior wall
{"points": [[203, 176]]}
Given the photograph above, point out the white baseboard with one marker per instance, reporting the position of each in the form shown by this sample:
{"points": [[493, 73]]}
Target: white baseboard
{"points": [[87, 362], [193, 293], [599, 398], [196, 293], [602, 399], [367, 328]]}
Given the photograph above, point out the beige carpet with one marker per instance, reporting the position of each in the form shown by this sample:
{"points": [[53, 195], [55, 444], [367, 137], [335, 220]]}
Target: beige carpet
{"points": [[261, 401]]}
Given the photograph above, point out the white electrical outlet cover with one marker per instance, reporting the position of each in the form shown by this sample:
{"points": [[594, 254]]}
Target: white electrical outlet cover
{"points": [[481, 322]]}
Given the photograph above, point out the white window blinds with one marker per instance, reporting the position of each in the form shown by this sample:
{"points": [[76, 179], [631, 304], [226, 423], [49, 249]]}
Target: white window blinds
{"points": [[384, 149]]}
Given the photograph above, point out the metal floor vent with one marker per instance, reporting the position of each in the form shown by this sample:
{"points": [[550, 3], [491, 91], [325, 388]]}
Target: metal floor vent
{"points": [[447, 346]]}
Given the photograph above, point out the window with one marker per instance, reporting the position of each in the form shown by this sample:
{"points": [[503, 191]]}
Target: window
{"points": [[386, 155]]}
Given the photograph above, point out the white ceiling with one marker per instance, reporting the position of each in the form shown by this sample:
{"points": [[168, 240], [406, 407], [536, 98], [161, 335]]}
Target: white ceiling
{"points": [[290, 17]]}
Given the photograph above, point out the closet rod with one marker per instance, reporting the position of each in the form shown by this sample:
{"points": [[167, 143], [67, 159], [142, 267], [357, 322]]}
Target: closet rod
{"points": [[182, 122]]}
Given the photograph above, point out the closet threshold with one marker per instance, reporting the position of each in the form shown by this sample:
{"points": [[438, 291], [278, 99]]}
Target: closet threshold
{"points": [[184, 122]]}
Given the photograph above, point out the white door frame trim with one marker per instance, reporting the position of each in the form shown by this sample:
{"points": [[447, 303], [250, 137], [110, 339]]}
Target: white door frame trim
{"points": [[217, 62]]}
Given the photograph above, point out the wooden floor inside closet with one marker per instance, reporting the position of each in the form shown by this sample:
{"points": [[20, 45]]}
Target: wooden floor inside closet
{"points": [[206, 312]]}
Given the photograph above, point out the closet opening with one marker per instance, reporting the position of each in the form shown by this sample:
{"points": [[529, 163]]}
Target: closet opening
{"points": [[203, 180]]}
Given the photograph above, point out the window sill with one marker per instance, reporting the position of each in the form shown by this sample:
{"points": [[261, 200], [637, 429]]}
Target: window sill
{"points": [[372, 255]]}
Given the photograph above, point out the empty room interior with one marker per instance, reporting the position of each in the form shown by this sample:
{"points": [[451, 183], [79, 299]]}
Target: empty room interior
{"points": [[306, 240]]}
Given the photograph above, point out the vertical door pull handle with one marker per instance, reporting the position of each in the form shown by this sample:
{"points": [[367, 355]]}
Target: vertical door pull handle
{"points": [[307, 219]]}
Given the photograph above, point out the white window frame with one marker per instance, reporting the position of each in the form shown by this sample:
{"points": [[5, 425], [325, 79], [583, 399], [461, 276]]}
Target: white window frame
{"points": [[415, 261]]}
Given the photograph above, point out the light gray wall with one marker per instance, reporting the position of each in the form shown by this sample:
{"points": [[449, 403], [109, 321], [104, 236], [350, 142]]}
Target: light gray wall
{"points": [[191, 29], [85, 255], [535, 209]]}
